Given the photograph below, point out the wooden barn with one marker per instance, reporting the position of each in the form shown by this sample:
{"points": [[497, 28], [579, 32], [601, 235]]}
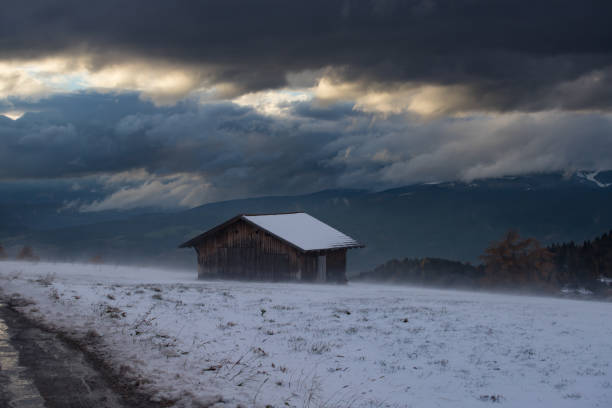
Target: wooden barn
{"points": [[276, 247]]}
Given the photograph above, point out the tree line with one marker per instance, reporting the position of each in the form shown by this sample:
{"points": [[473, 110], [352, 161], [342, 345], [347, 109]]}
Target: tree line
{"points": [[26, 253], [511, 262]]}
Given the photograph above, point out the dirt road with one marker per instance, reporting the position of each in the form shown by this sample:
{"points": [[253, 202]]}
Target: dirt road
{"points": [[39, 369]]}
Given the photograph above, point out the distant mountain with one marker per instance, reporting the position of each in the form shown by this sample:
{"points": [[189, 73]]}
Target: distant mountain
{"points": [[41, 205], [451, 220]]}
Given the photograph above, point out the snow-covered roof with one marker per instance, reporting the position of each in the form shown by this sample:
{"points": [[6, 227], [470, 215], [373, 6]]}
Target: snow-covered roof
{"points": [[299, 229], [303, 231]]}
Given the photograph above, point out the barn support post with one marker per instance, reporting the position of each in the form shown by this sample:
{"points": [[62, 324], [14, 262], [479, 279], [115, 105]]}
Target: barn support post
{"points": [[201, 272], [321, 268]]}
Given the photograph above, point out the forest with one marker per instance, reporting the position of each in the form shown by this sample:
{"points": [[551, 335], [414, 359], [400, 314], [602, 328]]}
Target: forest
{"points": [[513, 262]]}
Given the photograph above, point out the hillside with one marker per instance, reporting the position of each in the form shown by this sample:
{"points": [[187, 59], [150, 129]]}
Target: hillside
{"points": [[446, 220]]}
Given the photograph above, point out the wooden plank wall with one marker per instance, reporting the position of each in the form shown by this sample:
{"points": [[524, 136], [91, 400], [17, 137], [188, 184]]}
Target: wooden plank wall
{"points": [[242, 251], [336, 266]]}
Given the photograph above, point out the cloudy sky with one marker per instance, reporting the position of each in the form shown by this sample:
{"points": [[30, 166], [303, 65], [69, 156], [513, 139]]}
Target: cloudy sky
{"points": [[174, 104]]}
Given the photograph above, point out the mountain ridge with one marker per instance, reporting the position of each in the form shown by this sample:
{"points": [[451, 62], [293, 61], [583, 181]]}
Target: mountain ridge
{"points": [[452, 220]]}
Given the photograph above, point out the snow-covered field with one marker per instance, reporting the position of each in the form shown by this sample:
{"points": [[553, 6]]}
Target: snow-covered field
{"points": [[259, 344]]}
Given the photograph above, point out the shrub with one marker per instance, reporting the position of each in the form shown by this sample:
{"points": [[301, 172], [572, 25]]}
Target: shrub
{"points": [[27, 254], [96, 259]]}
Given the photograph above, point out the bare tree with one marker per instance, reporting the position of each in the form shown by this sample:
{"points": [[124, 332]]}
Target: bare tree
{"points": [[517, 261], [27, 254], [96, 259]]}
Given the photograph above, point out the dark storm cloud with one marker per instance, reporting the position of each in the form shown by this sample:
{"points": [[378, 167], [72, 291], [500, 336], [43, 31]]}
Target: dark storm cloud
{"points": [[85, 134], [136, 153], [70, 134], [511, 55]]}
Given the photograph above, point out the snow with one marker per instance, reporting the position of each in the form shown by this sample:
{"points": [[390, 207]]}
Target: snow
{"points": [[576, 291], [302, 345], [592, 177], [607, 281], [303, 231]]}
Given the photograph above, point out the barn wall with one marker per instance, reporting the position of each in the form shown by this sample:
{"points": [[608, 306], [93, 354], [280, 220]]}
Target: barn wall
{"points": [[336, 266], [308, 266], [243, 251]]}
